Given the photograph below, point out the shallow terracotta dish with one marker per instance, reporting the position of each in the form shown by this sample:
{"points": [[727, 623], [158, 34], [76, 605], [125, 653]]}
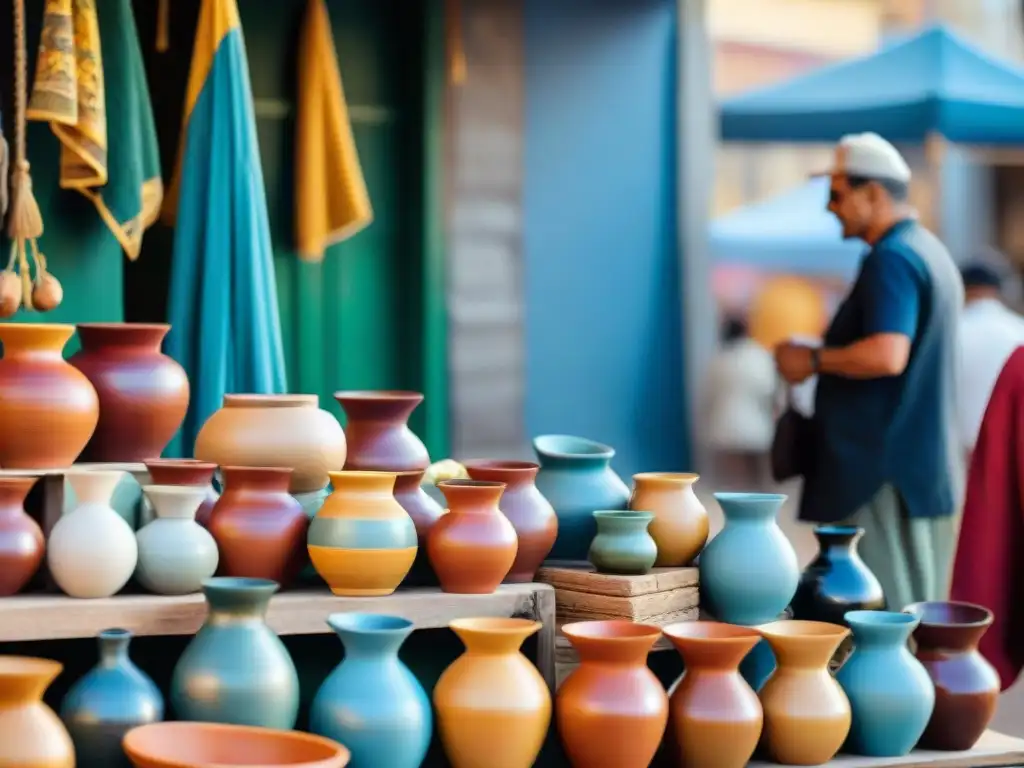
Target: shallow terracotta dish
{"points": [[212, 745]]}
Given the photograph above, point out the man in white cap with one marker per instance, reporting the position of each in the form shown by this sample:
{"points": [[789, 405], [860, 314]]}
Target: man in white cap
{"points": [[883, 451]]}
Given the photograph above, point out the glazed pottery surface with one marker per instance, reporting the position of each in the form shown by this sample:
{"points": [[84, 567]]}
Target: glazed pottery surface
{"points": [[260, 529], [127, 499], [236, 670], [806, 714], [275, 431], [21, 539], [143, 393], [182, 472], [424, 511], [680, 527], [176, 554], [715, 718], [966, 685], [31, 734], [114, 697], [576, 478], [371, 702], [362, 542], [213, 745], [611, 710], [48, 407], [472, 548], [377, 430], [92, 551], [837, 580], [622, 544], [749, 571], [493, 707]]}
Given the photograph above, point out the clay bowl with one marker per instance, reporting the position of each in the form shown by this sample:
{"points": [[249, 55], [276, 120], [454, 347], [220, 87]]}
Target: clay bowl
{"points": [[212, 745]]}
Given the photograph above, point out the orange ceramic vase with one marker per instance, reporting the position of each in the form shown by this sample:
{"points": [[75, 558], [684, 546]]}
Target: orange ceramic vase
{"points": [[715, 717], [493, 707], [31, 734], [680, 527], [611, 710], [48, 408], [806, 713], [472, 548]]}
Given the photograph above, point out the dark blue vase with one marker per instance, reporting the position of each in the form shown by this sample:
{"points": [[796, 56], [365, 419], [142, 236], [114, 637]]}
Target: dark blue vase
{"points": [[371, 702], [890, 692], [837, 581], [114, 697]]}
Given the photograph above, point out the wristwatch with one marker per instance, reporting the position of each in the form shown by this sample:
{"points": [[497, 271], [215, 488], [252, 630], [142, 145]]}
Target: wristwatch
{"points": [[815, 359]]}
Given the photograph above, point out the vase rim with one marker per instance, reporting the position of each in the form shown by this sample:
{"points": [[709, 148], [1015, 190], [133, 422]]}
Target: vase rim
{"points": [[50, 337], [834, 529], [755, 496], [612, 630], [29, 665], [944, 613], [801, 628], [119, 326], [241, 582], [668, 478], [570, 446], [496, 626], [369, 623], [115, 633], [462, 483], [502, 465], [880, 618], [175, 463], [367, 479], [253, 400], [711, 632], [395, 395], [408, 473], [623, 514]]}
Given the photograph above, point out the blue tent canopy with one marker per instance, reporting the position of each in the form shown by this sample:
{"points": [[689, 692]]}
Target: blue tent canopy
{"points": [[791, 233], [933, 82]]}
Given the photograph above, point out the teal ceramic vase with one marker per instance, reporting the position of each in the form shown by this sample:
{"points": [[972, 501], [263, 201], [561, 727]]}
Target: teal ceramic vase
{"points": [[236, 670], [114, 697], [371, 702], [891, 694], [576, 478], [749, 571], [622, 544]]}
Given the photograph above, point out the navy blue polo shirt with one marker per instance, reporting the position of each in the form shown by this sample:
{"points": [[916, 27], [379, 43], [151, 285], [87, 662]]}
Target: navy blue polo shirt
{"points": [[898, 430]]}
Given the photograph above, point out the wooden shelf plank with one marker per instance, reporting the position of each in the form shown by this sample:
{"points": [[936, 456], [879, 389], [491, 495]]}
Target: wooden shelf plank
{"points": [[581, 577]]}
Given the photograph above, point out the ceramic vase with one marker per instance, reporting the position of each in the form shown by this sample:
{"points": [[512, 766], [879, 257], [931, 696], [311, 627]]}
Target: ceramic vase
{"points": [[143, 393], [424, 511], [31, 734], [48, 408], [21, 540], [92, 551], [472, 548], [623, 544], [371, 702], [715, 718], [181, 472], [260, 529], [680, 527], [611, 710], [966, 685], [127, 498], [176, 554], [837, 580], [529, 512], [749, 571], [236, 670], [362, 542], [289, 431], [110, 700], [377, 430], [493, 707], [806, 713]]}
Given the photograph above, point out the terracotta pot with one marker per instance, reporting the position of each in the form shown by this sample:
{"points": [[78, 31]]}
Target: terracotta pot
{"points": [[31, 734], [715, 717], [806, 714], [378, 431], [203, 745], [472, 547], [143, 393], [192, 472], [680, 527], [493, 707], [361, 542], [611, 710], [424, 511], [259, 528], [530, 513], [275, 431], [48, 408], [21, 540], [966, 685]]}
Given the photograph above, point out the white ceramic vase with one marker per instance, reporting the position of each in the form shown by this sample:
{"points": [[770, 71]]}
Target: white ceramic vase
{"points": [[176, 554], [92, 550]]}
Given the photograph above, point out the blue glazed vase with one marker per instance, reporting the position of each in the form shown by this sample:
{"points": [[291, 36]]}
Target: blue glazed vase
{"points": [[236, 670], [749, 571], [576, 478], [110, 700], [890, 691], [371, 702], [623, 544], [837, 580]]}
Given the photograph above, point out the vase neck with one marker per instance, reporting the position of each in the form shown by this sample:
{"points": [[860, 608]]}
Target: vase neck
{"points": [[34, 340], [386, 407], [810, 649], [612, 642], [713, 654], [673, 481], [762, 508], [24, 680], [568, 452], [176, 502], [234, 598], [124, 338], [113, 647], [493, 637], [180, 472], [370, 636], [13, 492], [93, 487], [615, 522], [408, 481], [261, 479], [472, 496], [881, 629], [363, 482], [949, 637], [837, 542], [270, 401], [514, 474]]}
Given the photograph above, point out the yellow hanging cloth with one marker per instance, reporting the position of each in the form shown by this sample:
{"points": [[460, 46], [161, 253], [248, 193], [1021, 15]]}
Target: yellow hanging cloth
{"points": [[331, 200]]}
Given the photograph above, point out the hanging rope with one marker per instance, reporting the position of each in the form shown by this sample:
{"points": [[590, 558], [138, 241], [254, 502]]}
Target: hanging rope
{"points": [[163, 26], [456, 44]]}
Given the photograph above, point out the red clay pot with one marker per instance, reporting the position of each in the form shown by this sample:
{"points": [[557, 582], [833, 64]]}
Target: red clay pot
{"points": [[259, 527], [424, 511], [190, 472], [21, 540], [143, 393], [377, 431], [529, 512]]}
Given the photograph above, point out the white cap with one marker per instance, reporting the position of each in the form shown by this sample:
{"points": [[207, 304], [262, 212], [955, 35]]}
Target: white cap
{"points": [[870, 156]]}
